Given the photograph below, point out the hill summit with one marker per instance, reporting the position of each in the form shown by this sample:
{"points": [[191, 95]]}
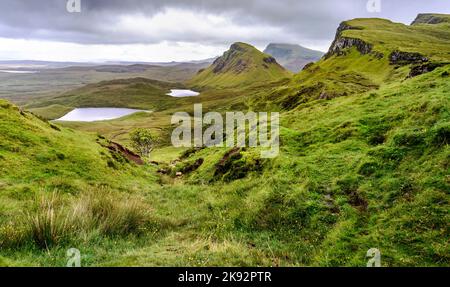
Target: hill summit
{"points": [[241, 65]]}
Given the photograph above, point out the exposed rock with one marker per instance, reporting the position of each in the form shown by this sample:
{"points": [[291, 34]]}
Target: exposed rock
{"points": [[425, 68], [269, 60], [341, 43], [406, 58]]}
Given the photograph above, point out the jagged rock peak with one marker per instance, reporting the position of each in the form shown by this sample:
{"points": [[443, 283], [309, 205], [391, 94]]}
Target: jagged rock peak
{"points": [[340, 43]]}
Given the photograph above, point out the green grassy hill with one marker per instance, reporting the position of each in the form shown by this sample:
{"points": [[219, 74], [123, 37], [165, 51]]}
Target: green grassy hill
{"points": [[367, 53], [354, 173], [242, 65]]}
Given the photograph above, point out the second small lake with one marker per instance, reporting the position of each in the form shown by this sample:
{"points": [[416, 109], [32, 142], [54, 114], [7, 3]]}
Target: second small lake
{"points": [[97, 114], [182, 93]]}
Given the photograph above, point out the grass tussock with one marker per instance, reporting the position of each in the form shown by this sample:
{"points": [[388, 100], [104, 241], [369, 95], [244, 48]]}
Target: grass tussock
{"points": [[56, 220]]}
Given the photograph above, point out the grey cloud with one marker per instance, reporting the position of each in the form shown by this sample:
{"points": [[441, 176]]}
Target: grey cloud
{"points": [[303, 20]]}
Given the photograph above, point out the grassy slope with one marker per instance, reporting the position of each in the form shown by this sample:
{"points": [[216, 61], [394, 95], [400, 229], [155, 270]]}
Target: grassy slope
{"points": [[356, 172], [244, 65], [386, 36]]}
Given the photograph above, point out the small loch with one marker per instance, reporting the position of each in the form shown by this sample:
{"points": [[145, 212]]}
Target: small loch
{"points": [[97, 114], [182, 93]]}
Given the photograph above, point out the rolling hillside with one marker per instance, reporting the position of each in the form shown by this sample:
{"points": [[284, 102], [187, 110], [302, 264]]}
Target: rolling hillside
{"points": [[242, 65]]}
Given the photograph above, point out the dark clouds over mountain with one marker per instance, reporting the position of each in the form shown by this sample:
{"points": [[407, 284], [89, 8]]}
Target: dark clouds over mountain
{"points": [[154, 21]]}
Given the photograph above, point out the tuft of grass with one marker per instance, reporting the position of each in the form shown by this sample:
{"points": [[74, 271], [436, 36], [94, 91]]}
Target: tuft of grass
{"points": [[57, 220], [112, 217]]}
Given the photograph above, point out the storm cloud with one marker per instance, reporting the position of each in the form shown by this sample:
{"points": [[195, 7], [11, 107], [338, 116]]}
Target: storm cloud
{"points": [[205, 22]]}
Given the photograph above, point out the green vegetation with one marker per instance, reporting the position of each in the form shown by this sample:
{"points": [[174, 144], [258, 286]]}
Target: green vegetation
{"points": [[143, 141], [364, 163]]}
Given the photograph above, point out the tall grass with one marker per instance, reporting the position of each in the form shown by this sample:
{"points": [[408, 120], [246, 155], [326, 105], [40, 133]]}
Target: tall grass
{"points": [[49, 224], [56, 220]]}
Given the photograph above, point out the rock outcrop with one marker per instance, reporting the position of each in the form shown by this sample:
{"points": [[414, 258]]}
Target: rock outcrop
{"points": [[341, 43], [424, 68], [406, 58]]}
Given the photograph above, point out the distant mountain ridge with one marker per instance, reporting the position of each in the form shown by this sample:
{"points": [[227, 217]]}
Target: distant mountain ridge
{"points": [[291, 56]]}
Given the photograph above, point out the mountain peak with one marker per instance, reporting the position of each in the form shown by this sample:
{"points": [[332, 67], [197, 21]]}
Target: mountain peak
{"points": [[240, 46], [241, 64]]}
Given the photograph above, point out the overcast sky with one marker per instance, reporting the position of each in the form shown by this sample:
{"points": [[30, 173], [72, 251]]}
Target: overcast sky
{"points": [[177, 30]]}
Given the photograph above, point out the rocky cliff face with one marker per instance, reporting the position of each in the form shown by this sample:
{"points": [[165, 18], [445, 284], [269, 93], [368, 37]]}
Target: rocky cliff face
{"points": [[341, 43]]}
